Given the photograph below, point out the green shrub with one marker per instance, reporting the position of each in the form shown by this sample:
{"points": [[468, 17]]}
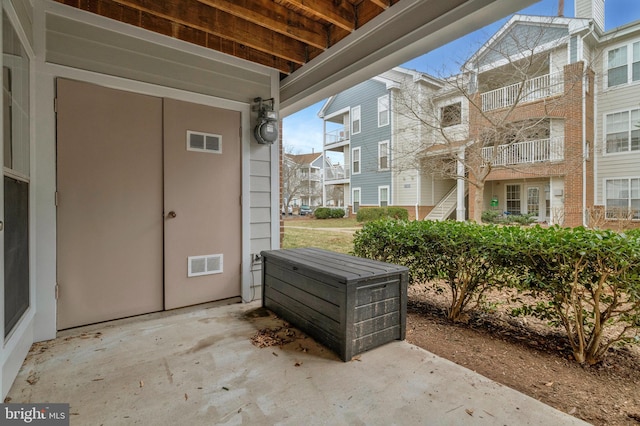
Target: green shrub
{"points": [[328, 213], [588, 280], [490, 216], [585, 281], [459, 253], [368, 214], [337, 213]]}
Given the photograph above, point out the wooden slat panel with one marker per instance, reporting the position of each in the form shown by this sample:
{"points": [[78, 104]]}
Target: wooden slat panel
{"points": [[371, 310], [380, 291], [373, 340], [374, 325], [308, 300], [275, 17], [217, 22], [314, 287]]}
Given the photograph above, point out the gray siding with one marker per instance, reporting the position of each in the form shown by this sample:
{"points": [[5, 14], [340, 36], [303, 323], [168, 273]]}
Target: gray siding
{"points": [[366, 95]]}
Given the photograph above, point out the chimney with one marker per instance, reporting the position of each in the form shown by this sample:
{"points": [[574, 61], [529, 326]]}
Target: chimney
{"points": [[561, 8], [591, 9]]}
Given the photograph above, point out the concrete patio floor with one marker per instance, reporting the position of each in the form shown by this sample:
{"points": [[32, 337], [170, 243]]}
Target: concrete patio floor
{"points": [[197, 366]]}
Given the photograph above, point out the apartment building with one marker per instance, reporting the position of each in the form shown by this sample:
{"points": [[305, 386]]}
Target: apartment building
{"points": [[544, 120], [302, 179]]}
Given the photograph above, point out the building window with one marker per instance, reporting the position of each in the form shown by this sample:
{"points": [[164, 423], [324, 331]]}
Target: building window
{"points": [[622, 131], [622, 198], [355, 161], [618, 69], [513, 199], [451, 115], [16, 175], [383, 155], [383, 110], [355, 199], [355, 120], [383, 196]]}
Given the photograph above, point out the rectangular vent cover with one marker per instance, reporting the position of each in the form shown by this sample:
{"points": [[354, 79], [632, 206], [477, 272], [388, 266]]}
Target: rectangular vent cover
{"points": [[204, 142], [205, 265]]}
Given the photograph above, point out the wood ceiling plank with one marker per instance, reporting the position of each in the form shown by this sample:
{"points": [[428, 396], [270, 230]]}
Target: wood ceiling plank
{"points": [[382, 3], [340, 13], [275, 17], [205, 18]]}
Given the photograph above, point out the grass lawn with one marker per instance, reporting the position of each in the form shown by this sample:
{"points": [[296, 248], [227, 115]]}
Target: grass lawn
{"points": [[310, 233], [323, 223]]}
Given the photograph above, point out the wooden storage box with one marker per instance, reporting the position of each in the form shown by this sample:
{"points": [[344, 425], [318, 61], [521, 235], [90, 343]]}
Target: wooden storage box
{"points": [[347, 303]]}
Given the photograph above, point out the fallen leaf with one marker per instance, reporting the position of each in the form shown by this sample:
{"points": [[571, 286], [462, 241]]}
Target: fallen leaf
{"points": [[186, 396], [573, 410], [98, 379], [469, 411], [274, 354], [298, 364], [225, 388], [549, 384], [141, 384]]}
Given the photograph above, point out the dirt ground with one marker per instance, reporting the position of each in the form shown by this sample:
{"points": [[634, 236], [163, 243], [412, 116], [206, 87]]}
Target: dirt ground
{"points": [[526, 355]]}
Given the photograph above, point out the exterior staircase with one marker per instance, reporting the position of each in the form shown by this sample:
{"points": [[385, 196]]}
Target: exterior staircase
{"points": [[445, 207]]}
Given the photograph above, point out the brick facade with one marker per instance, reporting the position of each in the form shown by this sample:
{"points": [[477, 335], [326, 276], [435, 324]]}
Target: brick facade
{"points": [[568, 106]]}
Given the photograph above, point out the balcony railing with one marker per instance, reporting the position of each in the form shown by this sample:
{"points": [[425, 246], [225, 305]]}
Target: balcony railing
{"points": [[336, 136], [529, 91], [335, 173], [526, 152]]}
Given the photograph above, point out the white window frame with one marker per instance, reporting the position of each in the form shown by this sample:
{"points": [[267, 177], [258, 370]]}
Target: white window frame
{"points": [[383, 111], [631, 58], [630, 128], [441, 113], [507, 199], [353, 198], [380, 188], [356, 117], [380, 156], [353, 160], [629, 198]]}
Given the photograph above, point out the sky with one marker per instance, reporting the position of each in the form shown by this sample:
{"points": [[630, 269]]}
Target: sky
{"points": [[302, 131]]}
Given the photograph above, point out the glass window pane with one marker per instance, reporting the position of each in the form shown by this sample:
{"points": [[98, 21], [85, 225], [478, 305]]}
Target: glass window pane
{"points": [[618, 57], [617, 76]]}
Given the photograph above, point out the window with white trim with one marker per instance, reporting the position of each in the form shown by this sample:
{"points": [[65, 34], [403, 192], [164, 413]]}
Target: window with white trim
{"points": [[355, 161], [451, 115], [383, 196], [623, 64], [355, 199], [355, 120], [622, 198], [622, 133], [383, 110], [383, 155], [513, 199]]}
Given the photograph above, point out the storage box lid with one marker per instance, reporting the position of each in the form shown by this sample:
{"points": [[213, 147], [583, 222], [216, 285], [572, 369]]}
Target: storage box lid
{"points": [[344, 267]]}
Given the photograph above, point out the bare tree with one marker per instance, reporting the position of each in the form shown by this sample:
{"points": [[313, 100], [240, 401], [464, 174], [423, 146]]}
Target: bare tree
{"points": [[292, 166], [482, 119]]}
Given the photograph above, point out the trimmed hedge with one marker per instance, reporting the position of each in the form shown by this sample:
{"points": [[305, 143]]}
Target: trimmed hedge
{"points": [[367, 214], [585, 281], [328, 213]]}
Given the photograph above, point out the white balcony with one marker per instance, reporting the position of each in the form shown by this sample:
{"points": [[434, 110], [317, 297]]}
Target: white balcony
{"points": [[527, 152], [529, 91], [336, 174], [336, 138]]}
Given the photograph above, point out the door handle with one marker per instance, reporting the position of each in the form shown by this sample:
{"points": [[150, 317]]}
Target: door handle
{"points": [[171, 214]]}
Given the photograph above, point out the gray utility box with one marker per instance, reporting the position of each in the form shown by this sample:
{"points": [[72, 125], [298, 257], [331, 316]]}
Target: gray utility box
{"points": [[347, 303]]}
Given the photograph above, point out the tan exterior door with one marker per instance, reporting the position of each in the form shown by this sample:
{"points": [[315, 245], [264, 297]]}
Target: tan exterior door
{"points": [[109, 216], [202, 211]]}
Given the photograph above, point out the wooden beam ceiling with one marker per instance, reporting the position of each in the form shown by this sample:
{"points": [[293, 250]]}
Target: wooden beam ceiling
{"points": [[282, 34]]}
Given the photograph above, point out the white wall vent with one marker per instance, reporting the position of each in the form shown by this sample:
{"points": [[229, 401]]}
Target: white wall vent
{"points": [[204, 265], [204, 142]]}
